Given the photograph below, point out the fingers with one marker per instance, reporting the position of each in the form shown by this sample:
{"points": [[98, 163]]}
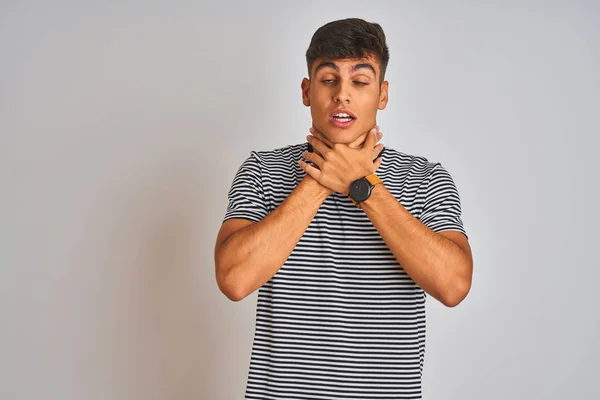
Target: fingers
{"points": [[372, 138], [309, 169], [314, 158], [359, 141], [377, 151], [316, 133], [377, 164], [319, 147]]}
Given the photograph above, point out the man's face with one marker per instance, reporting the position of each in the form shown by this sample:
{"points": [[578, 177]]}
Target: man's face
{"points": [[344, 96]]}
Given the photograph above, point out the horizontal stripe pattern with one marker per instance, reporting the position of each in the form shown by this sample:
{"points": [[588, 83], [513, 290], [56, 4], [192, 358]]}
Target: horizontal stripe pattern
{"points": [[341, 319]]}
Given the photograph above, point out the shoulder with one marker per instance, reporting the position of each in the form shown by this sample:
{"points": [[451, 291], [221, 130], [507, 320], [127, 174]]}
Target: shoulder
{"points": [[282, 155], [276, 167], [399, 166], [418, 175], [280, 163]]}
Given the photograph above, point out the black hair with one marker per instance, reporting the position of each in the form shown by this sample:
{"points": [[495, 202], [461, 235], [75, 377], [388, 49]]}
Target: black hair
{"points": [[349, 38]]}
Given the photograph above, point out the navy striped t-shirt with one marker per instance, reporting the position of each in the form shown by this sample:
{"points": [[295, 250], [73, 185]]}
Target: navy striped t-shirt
{"points": [[341, 319]]}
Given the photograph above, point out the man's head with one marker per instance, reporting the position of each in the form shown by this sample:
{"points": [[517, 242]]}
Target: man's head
{"points": [[346, 62]]}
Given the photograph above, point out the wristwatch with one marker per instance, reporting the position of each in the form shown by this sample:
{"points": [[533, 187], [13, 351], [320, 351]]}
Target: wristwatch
{"points": [[360, 189]]}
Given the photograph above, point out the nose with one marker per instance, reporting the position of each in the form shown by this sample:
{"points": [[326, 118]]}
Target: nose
{"points": [[342, 95]]}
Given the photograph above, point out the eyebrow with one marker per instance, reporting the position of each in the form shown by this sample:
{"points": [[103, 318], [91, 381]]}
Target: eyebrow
{"points": [[364, 65], [334, 66]]}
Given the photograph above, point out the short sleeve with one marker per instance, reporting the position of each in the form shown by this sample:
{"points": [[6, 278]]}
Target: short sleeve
{"points": [[441, 206], [246, 196]]}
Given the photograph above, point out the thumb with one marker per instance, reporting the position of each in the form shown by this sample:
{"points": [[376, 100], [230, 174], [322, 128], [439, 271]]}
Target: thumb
{"points": [[371, 139], [377, 164], [357, 144]]}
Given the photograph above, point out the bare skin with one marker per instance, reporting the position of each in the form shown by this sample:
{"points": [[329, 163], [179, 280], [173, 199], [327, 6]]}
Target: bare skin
{"points": [[440, 263], [248, 254]]}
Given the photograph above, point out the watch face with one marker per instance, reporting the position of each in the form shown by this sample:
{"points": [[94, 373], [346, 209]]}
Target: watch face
{"points": [[360, 190]]}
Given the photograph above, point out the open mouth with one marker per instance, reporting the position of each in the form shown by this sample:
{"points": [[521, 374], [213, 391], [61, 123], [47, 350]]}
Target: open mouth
{"points": [[342, 119]]}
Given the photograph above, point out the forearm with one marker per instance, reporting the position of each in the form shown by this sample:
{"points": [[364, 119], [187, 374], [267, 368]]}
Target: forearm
{"points": [[437, 264], [252, 255]]}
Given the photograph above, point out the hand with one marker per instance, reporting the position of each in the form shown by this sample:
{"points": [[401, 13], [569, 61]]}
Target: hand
{"points": [[336, 166], [356, 144]]}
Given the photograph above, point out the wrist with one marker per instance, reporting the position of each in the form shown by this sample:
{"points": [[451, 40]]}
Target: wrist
{"points": [[376, 193], [315, 188], [362, 189]]}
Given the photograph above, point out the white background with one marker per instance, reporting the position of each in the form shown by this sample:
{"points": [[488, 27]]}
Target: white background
{"points": [[123, 123]]}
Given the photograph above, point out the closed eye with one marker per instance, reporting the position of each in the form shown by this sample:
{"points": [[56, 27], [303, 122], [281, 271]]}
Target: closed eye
{"points": [[332, 81]]}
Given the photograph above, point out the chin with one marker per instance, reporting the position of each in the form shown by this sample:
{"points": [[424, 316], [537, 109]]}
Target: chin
{"points": [[343, 136], [340, 137]]}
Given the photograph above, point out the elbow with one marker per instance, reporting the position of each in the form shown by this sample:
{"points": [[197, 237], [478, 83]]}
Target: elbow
{"points": [[233, 294], [457, 293], [459, 285], [229, 285], [232, 291]]}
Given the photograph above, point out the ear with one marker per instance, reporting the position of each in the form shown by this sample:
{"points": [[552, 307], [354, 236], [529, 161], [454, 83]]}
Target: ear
{"points": [[305, 92], [383, 95]]}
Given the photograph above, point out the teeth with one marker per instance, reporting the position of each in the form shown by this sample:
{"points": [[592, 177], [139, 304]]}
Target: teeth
{"points": [[342, 115]]}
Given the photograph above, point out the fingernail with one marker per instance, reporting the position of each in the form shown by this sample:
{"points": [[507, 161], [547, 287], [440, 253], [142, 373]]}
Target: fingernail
{"points": [[312, 130], [374, 131], [308, 137]]}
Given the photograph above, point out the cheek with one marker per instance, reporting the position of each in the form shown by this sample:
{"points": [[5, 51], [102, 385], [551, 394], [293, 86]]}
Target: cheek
{"points": [[371, 104], [319, 97], [319, 105]]}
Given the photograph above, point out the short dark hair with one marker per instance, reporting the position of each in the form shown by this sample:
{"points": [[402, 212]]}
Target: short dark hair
{"points": [[349, 38]]}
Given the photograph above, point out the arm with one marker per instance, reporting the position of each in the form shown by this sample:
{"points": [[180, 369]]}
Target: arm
{"points": [[440, 263], [248, 254]]}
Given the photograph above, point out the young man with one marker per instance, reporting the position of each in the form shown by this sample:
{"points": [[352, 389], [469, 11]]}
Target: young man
{"points": [[342, 240]]}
